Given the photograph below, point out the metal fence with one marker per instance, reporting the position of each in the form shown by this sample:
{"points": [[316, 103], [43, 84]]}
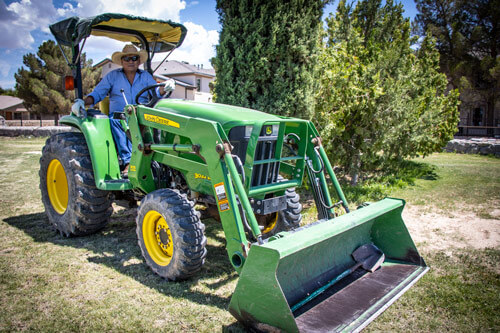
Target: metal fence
{"points": [[488, 131], [37, 123]]}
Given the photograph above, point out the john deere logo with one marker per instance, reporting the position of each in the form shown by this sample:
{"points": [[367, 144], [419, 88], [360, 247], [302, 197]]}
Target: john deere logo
{"points": [[160, 120], [269, 130]]}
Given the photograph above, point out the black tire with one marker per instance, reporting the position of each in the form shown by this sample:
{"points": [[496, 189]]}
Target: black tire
{"points": [[285, 220], [76, 208], [170, 234]]}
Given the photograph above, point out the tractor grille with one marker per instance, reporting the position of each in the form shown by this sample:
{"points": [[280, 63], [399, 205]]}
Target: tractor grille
{"points": [[266, 173]]}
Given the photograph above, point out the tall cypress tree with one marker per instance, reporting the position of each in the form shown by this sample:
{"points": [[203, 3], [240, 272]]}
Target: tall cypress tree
{"points": [[267, 54]]}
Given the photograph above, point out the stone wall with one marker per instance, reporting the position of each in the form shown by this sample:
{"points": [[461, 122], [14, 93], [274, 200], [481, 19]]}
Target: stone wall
{"points": [[480, 146], [33, 131]]}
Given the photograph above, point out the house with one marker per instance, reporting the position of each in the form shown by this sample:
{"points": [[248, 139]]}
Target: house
{"points": [[194, 75], [474, 119], [12, 108], [16, 114], [107, 66], [191, 82], [182, 90]]}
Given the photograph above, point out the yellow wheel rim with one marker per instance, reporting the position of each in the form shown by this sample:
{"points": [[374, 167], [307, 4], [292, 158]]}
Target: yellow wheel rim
{"points": [[57, 186], [270, 226], [157, 238]]}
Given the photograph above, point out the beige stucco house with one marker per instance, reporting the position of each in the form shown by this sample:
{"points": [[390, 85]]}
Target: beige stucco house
{"points": [[191, 82]]}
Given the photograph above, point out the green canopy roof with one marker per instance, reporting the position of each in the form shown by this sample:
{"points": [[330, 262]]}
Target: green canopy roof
{"points": [[161, 35]]}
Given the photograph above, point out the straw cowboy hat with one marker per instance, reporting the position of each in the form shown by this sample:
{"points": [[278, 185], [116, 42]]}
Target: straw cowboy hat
{"points": [[129, 49]]}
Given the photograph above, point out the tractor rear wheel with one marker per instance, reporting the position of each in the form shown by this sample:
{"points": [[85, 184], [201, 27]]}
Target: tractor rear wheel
{"points": [[285, 220], [74, 206], [170, 234]]}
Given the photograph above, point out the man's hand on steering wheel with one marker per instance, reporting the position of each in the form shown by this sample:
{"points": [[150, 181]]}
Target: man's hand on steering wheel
{"points": [[167, 87]]}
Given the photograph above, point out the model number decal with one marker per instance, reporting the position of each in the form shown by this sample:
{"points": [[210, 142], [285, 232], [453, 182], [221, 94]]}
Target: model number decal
{"points": [[161, 120], [200, 176]]}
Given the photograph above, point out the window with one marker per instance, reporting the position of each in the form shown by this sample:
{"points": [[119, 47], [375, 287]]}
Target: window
{"points": [[477, 117], [198, 84]]}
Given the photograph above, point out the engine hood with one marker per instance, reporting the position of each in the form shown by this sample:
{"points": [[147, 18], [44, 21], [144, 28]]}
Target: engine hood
{"points": [[227, 115]]}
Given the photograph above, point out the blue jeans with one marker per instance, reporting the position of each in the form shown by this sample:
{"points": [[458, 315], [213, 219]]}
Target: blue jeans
{"points": [[122, 143]]}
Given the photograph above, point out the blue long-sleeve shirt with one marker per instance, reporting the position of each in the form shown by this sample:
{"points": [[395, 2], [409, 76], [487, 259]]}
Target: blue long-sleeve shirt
{"points": [[116, 80]]}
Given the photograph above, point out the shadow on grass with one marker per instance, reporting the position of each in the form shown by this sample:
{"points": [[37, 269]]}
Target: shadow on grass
{"points": [[116, 247]]}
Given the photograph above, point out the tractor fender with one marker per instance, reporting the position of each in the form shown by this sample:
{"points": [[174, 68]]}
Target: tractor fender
{"points": [[102, 150]]}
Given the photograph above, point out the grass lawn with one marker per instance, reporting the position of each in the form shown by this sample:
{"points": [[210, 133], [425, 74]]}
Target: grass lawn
{"points": [[101, 283]]}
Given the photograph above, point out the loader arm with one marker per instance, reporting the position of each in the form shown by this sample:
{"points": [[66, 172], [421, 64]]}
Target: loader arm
{"points": [[206, 138]]}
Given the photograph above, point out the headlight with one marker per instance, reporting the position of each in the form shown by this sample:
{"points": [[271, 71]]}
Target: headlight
{"points": [[248, 131], [276, 128]]}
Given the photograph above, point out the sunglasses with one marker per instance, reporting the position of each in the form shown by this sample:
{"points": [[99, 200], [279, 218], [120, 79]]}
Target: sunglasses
{"points": [[131, 58]]}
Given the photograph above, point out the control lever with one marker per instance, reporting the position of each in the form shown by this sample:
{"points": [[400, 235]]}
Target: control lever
{"points": [[124, 98]]}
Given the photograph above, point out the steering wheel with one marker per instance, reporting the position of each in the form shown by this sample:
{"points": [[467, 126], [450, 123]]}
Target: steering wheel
{"points": [[153, 97]]}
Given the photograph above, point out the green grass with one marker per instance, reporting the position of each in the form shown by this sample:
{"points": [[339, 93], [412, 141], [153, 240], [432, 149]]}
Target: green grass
{"points": [[461, 293], [101, 283], [445, 181], [467, 183]]}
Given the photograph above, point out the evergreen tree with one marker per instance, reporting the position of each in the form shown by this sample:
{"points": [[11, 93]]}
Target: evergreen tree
{"points": [[41, 83], [380, 101], [267, 54], [8, 92], [468, 40]]}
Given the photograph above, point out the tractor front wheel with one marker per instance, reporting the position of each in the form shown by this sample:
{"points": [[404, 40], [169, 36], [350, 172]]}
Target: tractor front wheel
{"points": [[285, 220], [170, 234], [74, 206]]}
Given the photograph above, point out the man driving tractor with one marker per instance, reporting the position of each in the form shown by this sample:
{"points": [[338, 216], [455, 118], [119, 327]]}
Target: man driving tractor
{"points": [[126, 82]]}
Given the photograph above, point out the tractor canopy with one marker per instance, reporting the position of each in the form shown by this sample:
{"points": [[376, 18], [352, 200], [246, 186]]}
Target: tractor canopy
{"points": [[160, 35], [151, 35]]}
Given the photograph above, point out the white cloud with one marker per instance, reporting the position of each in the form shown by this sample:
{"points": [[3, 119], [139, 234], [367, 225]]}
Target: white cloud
{"points": [[7, 84], [19, 18], [198, 46], [98, 48], [66, 10], [161, 9], [4, 68]]}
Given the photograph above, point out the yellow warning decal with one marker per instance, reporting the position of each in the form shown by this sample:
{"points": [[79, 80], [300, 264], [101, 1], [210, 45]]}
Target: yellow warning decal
{"points": [[132, 168], [161, 120], [220, 191], [223, 205]]}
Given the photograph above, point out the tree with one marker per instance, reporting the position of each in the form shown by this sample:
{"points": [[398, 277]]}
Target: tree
{"points": [[41, 85], [7, 92], [379, 100], [468, 40], [267, 54]]}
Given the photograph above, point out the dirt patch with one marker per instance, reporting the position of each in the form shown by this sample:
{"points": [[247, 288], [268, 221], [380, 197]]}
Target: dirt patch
{"points": [[436, 231]]}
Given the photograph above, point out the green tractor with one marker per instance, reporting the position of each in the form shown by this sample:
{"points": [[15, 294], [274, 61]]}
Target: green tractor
{"points": [[336, 274]]}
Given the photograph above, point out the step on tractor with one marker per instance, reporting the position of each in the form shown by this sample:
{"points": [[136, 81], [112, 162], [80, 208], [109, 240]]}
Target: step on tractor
{"points": [[335, 274]]}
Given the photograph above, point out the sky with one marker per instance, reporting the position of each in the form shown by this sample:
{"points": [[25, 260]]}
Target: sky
{"points": [[25, 25]]}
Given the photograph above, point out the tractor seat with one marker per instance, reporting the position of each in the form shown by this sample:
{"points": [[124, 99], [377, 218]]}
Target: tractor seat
{"points": [[94, 113]]}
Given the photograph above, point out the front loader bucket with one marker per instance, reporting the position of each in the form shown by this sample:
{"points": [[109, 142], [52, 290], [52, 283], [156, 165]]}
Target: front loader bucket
{"points": [[284, 272]]}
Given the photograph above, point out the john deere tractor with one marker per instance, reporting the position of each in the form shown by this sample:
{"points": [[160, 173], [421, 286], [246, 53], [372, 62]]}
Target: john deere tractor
{"points": [[335, 274]]}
